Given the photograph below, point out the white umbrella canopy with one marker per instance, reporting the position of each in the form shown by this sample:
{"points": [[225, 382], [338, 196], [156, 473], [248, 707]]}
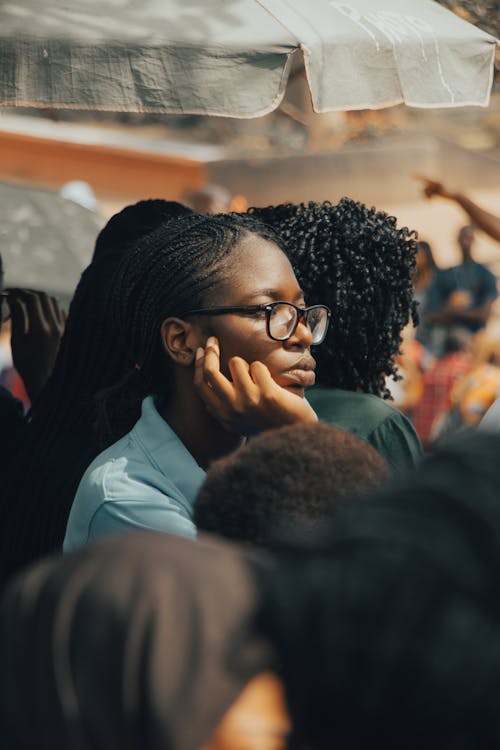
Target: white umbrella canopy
{"points": [[232, 57]]}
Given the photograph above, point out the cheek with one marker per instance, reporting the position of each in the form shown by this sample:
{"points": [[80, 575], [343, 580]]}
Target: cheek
{"points": [[250, 342]]}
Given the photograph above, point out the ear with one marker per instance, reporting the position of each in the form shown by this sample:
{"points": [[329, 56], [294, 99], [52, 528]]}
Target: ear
{"points": [[180, 340]]}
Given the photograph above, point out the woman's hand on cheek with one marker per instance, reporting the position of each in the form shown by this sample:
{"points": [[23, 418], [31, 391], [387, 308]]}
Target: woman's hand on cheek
{"points": [[252, 401]]}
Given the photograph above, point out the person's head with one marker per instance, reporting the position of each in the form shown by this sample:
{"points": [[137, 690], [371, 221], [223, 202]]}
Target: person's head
{"points": [[210, 199], [176, 288], [293, 477], [141, 641], [132, 223], [425, 258], [465, 240], [387, 627], [355, 260]]}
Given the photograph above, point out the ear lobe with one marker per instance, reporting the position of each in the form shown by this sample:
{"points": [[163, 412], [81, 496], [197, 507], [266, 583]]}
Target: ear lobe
{"points": [[180, 341]]}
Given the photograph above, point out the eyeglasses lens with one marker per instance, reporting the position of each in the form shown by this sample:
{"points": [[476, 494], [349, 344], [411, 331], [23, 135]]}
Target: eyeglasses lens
{"points": [[282, 321], [317, 320]]}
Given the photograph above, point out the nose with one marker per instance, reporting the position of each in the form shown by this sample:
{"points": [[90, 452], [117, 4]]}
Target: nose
{"points": [[301, 338]]}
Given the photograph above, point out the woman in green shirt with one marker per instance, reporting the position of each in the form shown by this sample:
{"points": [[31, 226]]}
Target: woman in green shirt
{"points": [[360, 264]]}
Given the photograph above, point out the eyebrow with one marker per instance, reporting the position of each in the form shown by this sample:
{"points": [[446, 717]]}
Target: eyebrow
{"points": [[273, 293]]}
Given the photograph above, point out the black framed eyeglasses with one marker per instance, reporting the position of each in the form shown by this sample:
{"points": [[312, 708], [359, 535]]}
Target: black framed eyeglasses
{"points": [[282, 318]]}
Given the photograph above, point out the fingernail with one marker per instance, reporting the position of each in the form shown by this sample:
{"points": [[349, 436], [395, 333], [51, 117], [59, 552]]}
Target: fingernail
{"points": [[199, 353]]}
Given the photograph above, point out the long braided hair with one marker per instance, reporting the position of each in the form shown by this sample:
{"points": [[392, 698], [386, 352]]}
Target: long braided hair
{"points": [[355, 260], [61, 439], [176, 269]]}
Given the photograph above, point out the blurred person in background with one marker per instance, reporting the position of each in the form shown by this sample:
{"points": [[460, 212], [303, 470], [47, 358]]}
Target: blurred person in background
{"points": [[36, 324], [61, 439], [482, 219], [425, 273], [473, 394], [387, 624], [144, 643], [210, 199], [290, 478], [461, 296], [357, 261], [432, 415]]}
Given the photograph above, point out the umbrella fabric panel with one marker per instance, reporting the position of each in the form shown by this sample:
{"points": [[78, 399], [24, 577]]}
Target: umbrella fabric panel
{"points": [[375, 53], [229, 57], [206, 57], [45, 240]]}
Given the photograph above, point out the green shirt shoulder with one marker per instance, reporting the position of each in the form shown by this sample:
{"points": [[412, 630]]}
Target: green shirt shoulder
{"points": [[372, 418]]}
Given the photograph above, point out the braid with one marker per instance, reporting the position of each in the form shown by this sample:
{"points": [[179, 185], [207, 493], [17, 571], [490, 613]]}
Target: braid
{"points": [[355, 260], [175, 269], [61, 439]]}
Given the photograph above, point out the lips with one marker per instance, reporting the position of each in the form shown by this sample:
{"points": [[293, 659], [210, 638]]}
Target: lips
{"points": [[302, 373]]}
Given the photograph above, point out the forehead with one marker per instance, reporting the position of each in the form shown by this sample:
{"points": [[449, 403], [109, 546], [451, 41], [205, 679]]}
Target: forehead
{"points": [[257, 263]]}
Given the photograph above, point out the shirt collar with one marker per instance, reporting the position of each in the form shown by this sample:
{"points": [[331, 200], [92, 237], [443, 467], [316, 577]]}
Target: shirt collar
{"points": [[169, 454]]}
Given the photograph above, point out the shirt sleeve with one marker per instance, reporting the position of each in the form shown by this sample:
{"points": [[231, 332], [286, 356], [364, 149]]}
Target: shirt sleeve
{"points": [[397, 441], [162, 514]]}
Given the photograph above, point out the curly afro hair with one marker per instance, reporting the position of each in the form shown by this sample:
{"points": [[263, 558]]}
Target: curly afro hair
{"points": [[295, 476], [355, 260]]}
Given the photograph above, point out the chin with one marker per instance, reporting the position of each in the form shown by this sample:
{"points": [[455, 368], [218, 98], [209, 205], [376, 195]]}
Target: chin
{"points": [[298, 390]]}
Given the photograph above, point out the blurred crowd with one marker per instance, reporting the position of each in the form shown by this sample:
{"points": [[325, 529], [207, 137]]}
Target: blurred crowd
{"points": [[243, 508], [450, 364]]}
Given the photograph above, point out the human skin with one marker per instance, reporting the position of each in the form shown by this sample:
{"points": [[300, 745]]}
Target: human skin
{"points": [[230, 378], [37, 325], [257, 720], [484, 220]]}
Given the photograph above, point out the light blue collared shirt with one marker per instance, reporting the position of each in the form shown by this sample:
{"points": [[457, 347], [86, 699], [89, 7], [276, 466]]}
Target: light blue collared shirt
{"points": [[146, 480]]}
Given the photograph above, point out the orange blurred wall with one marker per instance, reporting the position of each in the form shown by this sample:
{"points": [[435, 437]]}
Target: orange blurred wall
{"points": [[117, 175]]}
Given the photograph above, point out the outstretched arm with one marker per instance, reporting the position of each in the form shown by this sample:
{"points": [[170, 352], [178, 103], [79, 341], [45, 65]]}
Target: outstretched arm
{"points": [[486, 221]]}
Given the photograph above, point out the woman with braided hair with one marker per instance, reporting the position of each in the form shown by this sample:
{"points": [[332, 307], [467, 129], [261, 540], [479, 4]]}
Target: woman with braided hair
{"points": [[218, 338], [360, 264], [60, 438]]}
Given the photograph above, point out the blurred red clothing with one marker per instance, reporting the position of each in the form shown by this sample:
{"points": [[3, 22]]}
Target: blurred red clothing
{"points": [[12, 381], [437, 384]]}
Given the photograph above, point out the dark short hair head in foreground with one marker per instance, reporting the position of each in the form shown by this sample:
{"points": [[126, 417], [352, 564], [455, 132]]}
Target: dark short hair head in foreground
{"points": [[294, 476], [387, 623], [139, 641]]}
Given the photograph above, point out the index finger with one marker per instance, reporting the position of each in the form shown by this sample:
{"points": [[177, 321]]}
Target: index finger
{"points": [[18, 317], [208, 377], [31, 302]]}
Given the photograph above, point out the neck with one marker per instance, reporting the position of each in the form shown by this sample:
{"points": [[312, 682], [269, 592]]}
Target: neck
{"points": [[201, 433]]}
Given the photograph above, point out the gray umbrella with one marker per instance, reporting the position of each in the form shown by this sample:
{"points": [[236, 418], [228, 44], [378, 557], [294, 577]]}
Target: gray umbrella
{"points": [[45, 240], [232, 57]]}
